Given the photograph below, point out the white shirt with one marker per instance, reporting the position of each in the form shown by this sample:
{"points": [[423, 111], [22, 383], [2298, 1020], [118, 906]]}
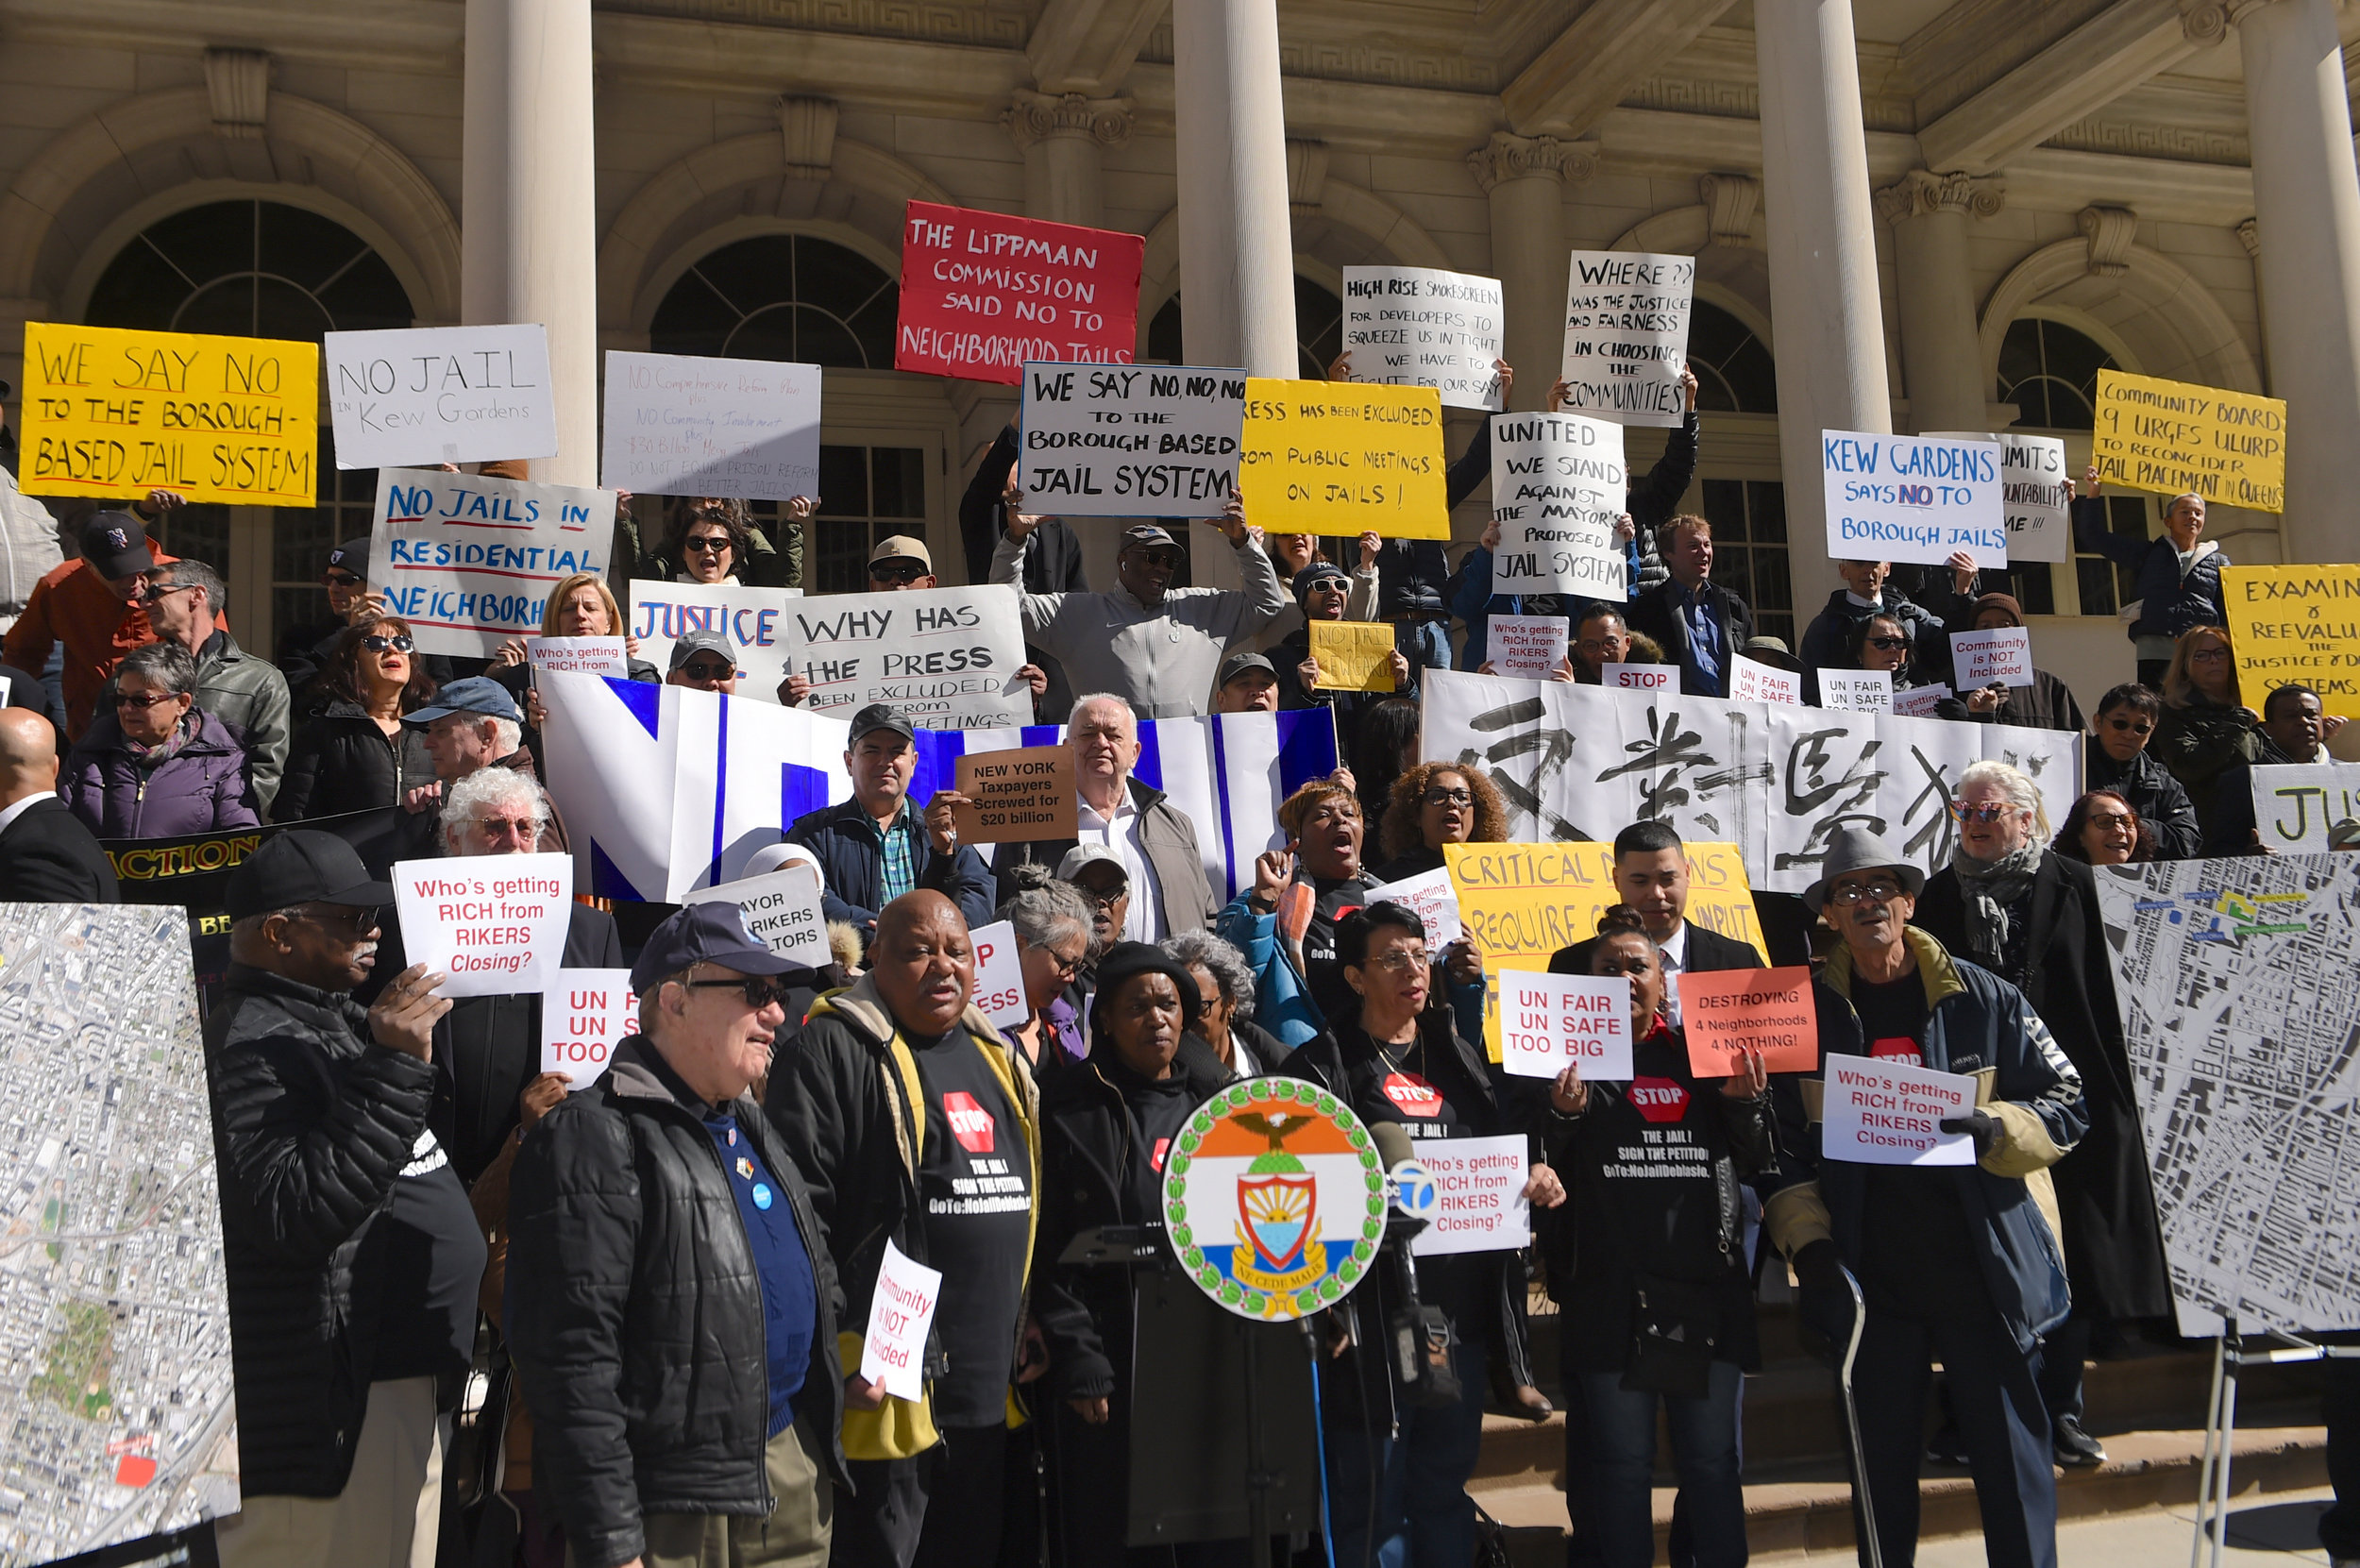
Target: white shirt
{"points": [[1144, 922], [1675, 952], [10, 814]]}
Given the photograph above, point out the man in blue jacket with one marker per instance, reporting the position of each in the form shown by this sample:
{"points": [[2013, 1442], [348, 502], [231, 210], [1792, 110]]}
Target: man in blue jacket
{"points": [[878, 845], [1960, 1263]]}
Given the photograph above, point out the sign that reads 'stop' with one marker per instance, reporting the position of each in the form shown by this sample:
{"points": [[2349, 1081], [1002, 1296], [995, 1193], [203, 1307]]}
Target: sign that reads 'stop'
{"points": [[1126, 441], [1424, 326], [414, 395], [1627, 335], [1332, 457], [982, 293], [1908, 497], [2171, 437]]}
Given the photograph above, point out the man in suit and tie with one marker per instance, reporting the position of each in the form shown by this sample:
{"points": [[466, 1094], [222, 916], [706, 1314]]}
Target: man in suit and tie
{"points": [[46, 854], [1651, 875]]}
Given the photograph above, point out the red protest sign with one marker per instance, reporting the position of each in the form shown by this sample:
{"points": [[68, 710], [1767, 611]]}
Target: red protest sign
{"points": [[1723, 1010], [983, 292]]}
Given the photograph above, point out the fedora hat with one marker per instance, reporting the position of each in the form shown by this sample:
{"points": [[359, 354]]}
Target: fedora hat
{"points": [[1858, 849]]}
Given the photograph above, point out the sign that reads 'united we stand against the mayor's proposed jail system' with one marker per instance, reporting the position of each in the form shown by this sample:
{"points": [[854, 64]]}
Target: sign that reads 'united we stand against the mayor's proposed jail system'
{"points": [[423, 394], [983, 292], [1124, 441], [1558, 490], [468, 561], [1424, 326], [947, 657], [1908, 497], [1627, 335]]}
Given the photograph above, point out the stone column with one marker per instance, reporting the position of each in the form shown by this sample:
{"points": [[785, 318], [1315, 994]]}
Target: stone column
{"points": [[1824, 306], [1237, 245], [1525, 179], [1942, 354], [2306, 206], [1063, 138], [528, 237]]}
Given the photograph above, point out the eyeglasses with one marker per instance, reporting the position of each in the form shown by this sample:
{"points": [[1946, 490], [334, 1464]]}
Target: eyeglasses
{"points": [[155, 591], [2112, 821], [2209, 655], [1449, 798], [1890, 645], [1103, 900], [1169, 560], [1881, 890], [129, 699], [895, 571], [1067, 967], [1982, 813], [398, 643], [1402, 961], [699, 669], [340, 579], [358, 919], [712, 544], [759, 990], [521, 827]]}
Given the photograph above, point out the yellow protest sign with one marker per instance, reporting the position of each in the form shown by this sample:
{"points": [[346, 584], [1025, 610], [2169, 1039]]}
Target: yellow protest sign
{"points": [[1521, 903], [1352, 655], [1342, 457], [2171, 437], [2296, 625], [115, 414]]}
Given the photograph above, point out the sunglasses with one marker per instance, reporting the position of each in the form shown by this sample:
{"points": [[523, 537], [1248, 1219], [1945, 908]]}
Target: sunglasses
{"points": [[759, 990], [709, 545], [1890, 645], [1168, 558], [126, 699], [896, 572], [155, 590], [2112, 821], [355, 918], [1105, 898], [1880, 891], [2132, 726], [1982, 813], [696, 669], [400, 644], [340, 579]]}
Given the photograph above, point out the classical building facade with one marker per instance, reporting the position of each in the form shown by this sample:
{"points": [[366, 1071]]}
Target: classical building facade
{"points": [[1908, 215]]}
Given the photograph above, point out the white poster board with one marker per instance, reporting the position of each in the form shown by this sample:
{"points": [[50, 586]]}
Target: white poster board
{"points": [[782, 910], [469, 561], [1527, 647], [899, 1313], [662, 613], [1558, 488], [1751, 680], [1908, 497], [1432, 896], [2001, 655], [1549, 1022], [2296, 804], [2036, 489], [1921, 701], [1639, 677], [418, 395], [1424, 327], [1885, 1112], [579, 655], [686, 425], [1000, 975], [1125, 441], [1481, 1185], [1626, 334], [585, 1015], [1858, 691], [491, 926], [948, 657]]}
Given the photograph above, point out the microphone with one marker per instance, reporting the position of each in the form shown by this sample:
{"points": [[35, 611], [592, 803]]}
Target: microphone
{"points": [[1392, 1144]]}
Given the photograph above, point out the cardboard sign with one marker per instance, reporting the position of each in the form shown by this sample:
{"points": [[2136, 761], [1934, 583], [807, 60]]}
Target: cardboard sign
{"points": [[492, 925], [2296, 624], [1528, 648], [468, 561], [1884, 1112], [1000, 975], [1558, 488], [2003, 654], [1639, 677], [1424, 327], [1430, 894], [750, 619], [1480, 1183], [1859, 691], [900, 1314], [1906, 498], [585, 1015], [782, 910], [2296, 804], [112, 415], [682, 425], [1352, 655], [2170, 437], [1122, 443], [983, 292], [418, 395], [1751, 680], [2034, 489], [1549, 1022], [948, 657], [1626, 334], [1725, 1012], [1333, 457], [1918, 702], [1018, 796], [579, 655]]}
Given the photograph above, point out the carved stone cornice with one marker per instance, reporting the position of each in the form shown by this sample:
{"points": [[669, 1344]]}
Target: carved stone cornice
{"points": [[808, 137], [1507, 157], [2110, 231], [1730, 202], [1306, 175], [237, 86], [1922, 192], [1039, 116], [2249, 236]]}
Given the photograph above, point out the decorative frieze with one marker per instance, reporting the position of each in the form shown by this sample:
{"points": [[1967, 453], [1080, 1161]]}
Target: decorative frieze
{"points": [[1506, 157], [1922, 192]]}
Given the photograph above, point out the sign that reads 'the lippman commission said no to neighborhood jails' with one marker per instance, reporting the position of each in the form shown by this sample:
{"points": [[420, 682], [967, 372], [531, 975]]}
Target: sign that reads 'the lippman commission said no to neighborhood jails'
{"points": [[1906, 498], [1120, 441]]}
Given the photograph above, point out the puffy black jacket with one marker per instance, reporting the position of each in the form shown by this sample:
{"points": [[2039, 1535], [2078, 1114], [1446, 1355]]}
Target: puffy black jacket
{"points": [[2159, 799], [635, 1313], [311, 1125], [342, 762], [1828, 640]]}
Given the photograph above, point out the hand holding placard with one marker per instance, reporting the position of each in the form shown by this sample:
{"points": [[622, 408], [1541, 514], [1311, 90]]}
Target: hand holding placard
{"points": [[900, 1314], [1551, 1021]]}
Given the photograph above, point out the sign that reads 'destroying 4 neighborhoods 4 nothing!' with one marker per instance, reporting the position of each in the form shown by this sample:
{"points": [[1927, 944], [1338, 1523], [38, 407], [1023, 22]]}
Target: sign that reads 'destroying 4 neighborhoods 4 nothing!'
{"points": [[468, 561], [1910, 498], [1120, 441], [983, 292]]}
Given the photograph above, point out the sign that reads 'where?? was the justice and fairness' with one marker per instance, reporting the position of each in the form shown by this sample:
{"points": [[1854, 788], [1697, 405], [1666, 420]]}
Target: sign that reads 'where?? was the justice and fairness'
{"points": [[1424, 327], [468, 561], [1124, 440], [2171, 437], [1908, 497], [983, 292], [1558, 488], [418, 395], [1627, 335], [1335, 456]]}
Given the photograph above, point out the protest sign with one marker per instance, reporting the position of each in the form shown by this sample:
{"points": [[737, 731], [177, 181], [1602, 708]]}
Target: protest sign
{"points": [[585, 1015], [1639, 677], [1882, 1111], [2299, 625], [1424, 327], [948, 657], [1016, 796], [2296, 804], [1000, 976], [683, 425], [2035, 491], [1725, 1012], [1480, 1183], [1906, 498], [1352, 655], [751, 619], [112, 414], [782, 910], [983, 292], [2003, 655], [1559, 489], [414, 396], [1859, 691], [1333, 457], [2171, 437], [492, 926], [1530, 647], [1626, 334], [579, 655], [468, 561], [1124, 442], [900, 1314], [1919, 701], [1751, 680], [1549, 1022], [1429, 893]]}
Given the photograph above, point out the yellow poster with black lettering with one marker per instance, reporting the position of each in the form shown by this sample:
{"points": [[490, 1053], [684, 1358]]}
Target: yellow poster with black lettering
{"points": [[115, 414], [2172, 437], [1352, 655], [1343, 457], [2296, 626], [1521, 902]]}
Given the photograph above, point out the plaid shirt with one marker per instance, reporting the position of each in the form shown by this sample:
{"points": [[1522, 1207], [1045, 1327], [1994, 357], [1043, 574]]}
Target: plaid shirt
{"points": [[897, 846]]}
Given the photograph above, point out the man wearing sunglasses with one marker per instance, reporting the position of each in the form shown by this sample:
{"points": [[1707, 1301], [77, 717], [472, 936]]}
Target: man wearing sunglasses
{"points": [[670, 1284], [2116, 758], [91, 605], [345, 575], [704, 660]]}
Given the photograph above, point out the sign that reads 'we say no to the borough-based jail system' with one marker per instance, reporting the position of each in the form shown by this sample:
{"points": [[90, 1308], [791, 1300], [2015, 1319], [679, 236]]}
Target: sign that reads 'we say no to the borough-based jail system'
{"points": [[1120, 441]]}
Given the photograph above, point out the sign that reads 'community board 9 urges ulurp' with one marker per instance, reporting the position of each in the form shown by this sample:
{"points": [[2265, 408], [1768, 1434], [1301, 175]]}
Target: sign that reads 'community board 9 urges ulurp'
{"points": [[2171, 437], [468, 560], [113, 413], [1908, 497], [1117, 441], [983, 292], [1336, 456]]}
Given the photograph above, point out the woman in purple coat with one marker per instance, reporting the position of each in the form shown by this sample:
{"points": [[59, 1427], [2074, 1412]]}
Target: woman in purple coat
{"points": [[158, 767]]}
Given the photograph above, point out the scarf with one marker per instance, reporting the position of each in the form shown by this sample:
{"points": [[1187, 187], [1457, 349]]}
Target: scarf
{"points": [[149, 758], [1988, 890]]}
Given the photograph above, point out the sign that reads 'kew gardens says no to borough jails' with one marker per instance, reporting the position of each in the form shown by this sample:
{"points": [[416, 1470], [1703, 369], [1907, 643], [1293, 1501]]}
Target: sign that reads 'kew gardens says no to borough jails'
{"points": [[1123, 441], [982, 293], [1908, 497]]}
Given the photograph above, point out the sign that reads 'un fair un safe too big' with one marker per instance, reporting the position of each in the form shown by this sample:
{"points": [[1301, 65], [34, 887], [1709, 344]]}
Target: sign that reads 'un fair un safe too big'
{"points": [[682, 425], [1124, 442], [1558, 490], [489, 924], [1424, 326], [421, 395], [982, 293], [1906, 498], [585, 1015], [1549, 1022], [468, 561]]}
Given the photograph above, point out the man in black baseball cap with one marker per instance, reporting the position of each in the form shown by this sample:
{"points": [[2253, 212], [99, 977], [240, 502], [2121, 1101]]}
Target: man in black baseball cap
{"points": [[1249, 684], [703, 660]]}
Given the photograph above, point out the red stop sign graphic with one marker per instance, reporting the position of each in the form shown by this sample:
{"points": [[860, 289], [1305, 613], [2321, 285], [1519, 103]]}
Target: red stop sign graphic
{"points": [[1658, 1099], [1413, 1094], [970, 1122]]}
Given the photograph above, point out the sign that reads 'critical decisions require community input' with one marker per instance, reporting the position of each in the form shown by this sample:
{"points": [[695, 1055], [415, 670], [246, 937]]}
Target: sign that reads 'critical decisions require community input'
{"points": [[982, 293], [2171, 437], [1124, 441], [1908, 497], [1333, 457]]}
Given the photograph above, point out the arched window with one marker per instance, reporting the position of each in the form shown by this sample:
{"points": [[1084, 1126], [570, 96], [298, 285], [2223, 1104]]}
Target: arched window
{"points": [[1318, 332], [782, 296], [1734, 371], [2049, 372]]}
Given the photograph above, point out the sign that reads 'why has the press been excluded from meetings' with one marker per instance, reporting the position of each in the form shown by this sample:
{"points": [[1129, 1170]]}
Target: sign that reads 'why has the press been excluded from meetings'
{"points": [[1124, 440], [1558, 488], [948, 657], [468, 561], [1424, 327], [1627, 335], [983, 292], [413, 396], [1908, 497], [1000, 977]]}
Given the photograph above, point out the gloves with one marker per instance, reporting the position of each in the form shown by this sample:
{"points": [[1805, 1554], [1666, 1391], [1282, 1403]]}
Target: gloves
{"points": [[1824, 1305], [1982, 1126]]}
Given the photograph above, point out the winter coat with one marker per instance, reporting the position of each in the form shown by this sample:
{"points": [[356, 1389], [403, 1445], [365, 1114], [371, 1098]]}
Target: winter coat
{"points": [[2048, 703], [203, 788], [635, 1310], [2198, 741], [851, 867], [250, 696], [1828, 640], [1167, 838], [1657, 612], [2153, 793], [342, 762], [312, 1123], [2229, 826], [2170, 604]]}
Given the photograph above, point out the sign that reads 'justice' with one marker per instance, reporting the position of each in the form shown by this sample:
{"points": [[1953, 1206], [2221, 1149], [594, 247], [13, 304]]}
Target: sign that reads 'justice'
{"points": [[983, 292], [1126, 441]]}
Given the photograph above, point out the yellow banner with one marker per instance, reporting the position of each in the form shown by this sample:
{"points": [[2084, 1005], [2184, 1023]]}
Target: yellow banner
{"points": [[116, 414], [2171, 437], [1340, 457], [2298, 626], [1352, 655], [1521, 903]]}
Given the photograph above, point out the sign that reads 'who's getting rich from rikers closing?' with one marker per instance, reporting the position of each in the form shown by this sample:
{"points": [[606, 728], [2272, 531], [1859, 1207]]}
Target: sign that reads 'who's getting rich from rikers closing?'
{"points": [[1124, 441]]}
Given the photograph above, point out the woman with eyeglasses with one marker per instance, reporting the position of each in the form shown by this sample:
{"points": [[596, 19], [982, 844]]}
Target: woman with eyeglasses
{"points": [[2205, 728], [1286, 923], [2116, 758], [2105, 829], [714, 539], [157, 766], [1226, 986], [1053, 942], [358, 754]]}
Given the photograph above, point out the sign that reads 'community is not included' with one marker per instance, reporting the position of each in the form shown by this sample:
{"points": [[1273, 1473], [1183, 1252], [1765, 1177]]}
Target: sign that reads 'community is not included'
{"points": [[1334, 457], [413, 396], [1627, 335], [1910, 498], [468, 561], [2298, 625], [489, 924], [1124, 440], [983, 292], [1424, 327], [683, 425], [1558, 488], [2171, 437]]}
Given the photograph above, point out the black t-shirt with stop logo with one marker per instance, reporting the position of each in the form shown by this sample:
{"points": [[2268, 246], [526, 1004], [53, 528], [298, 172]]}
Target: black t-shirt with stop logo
{"points": [[975, 1179]]}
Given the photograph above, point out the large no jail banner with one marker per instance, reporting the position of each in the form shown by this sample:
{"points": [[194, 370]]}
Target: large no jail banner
{"points": [[666, 789]]}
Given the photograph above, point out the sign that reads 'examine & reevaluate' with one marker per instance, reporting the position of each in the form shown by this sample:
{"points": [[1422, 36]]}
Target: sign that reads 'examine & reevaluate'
{"points": [[489, 924], [983, 292], [414, 395], [1126, 442], [2171, 437], [1558, 488], [1335, 456], [468, 561], [2298, 625], [1424, 326], [1016, 796], [1627, 335], [1908, 497]]}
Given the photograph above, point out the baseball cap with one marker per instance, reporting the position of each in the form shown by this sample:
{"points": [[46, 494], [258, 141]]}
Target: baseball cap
{"points": [[1089, 854], [881, 716], [115, 545], [1238, 664], [703, 640], [302, 866], [712, 932], [1144, 534], [476, 694], [902, 547], [351, 556]]}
